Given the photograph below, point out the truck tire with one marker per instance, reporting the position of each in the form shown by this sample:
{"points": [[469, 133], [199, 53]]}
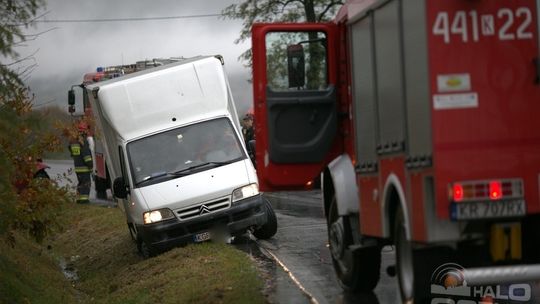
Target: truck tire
{"points": [[145, 250], [404, 259], [132, 232], [357, 270], [101, 188], [269, 229], [415, 266]]}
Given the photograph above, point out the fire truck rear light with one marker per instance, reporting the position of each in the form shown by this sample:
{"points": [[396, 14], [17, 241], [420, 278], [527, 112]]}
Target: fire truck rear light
{"points": [[495, 190], [485, 190], [457, 192]]}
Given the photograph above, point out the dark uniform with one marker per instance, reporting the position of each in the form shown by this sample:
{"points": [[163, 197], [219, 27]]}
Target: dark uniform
{"points": [[82, 159], [247, 129], [249, 134]]}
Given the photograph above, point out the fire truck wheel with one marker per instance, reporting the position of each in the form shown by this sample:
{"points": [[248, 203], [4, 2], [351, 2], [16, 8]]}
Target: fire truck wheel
{"points": [[357, 270], [269, 229], [404, 259]]}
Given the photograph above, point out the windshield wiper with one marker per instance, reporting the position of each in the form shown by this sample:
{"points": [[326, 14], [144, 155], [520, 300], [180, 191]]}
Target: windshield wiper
{"points": [[152, 176], [186, 171]]}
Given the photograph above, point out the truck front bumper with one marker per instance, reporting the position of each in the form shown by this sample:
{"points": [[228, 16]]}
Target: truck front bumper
{"points": [[237, 219]]}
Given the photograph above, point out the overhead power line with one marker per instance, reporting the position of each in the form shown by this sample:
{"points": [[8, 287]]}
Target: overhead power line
{"points": [[126, 19]]}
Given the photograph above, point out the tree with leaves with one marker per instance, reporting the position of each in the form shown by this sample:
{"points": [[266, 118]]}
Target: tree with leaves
{"points": [[27, 204], [15, 17], [251, 11]]}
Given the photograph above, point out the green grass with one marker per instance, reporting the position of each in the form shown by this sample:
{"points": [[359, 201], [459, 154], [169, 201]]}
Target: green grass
{"points": [[28, 274], [97, 243]]}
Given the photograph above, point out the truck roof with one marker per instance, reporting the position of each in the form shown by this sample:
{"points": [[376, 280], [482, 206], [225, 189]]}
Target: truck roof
{"points": [[164, 97]]}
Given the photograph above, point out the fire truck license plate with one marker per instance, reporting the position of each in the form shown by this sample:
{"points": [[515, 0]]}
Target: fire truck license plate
{"points": [[201, 237], [491, 209]]}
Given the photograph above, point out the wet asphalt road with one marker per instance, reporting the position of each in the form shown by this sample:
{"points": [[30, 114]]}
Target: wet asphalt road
{"points": [[301, 246]]}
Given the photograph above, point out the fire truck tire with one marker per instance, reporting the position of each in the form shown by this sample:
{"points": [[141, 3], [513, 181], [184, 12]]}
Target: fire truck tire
{"points": [[414, 266], [357, 270], [269, 229], [530, 237], [404, 259]]}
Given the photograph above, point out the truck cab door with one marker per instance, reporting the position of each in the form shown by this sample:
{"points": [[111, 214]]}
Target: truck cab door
{"points": [[295, 102]]}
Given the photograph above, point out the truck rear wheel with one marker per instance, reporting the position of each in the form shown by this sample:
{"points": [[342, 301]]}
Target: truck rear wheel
{"points": [[101, 187], [357, 270], [415, 265], [269, 229], [404, 259]]}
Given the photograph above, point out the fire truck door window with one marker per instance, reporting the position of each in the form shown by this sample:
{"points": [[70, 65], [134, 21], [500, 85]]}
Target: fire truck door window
{"points": [[300, 102], [296, 61]]}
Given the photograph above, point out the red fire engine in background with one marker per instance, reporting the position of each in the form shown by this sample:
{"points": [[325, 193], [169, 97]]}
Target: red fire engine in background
{"points": [[421, 119], [102, 180]]}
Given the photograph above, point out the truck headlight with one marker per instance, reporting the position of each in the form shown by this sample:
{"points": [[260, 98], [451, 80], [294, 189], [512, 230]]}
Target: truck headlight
{"points": [[157, 215], [245, 192]]}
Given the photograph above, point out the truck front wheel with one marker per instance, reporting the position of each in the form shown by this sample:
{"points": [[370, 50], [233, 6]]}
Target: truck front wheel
{"points": [[269, 229], [145, 250], [357, 270]]}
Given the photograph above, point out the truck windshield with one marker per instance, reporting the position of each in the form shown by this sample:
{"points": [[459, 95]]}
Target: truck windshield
{"points": [[184, 150]]}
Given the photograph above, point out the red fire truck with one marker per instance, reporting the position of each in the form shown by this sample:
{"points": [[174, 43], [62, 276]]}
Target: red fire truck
{"points": [[420, 120], [102, 180]]}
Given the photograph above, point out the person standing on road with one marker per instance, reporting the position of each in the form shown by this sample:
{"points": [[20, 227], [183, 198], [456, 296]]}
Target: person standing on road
{"points": [[247, 129], [82, 160], [249, 135]]}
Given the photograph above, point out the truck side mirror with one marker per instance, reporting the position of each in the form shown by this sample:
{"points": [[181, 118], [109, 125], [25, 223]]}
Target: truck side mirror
{"points": [[119, 188], [71, 97], [296, 65]]}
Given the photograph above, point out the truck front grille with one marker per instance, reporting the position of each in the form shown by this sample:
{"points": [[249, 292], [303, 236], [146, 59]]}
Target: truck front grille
{"points": [[202, 209]]}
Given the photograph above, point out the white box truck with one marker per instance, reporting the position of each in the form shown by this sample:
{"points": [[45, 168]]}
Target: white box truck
{"points": [[179, 168]]}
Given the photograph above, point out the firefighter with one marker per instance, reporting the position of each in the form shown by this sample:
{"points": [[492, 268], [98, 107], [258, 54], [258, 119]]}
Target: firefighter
{"points": [[249, 136], [247, 128], [82, 158]]}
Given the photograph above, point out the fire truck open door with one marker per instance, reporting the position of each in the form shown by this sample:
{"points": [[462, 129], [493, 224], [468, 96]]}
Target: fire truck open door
{"points": [[296, 121]]}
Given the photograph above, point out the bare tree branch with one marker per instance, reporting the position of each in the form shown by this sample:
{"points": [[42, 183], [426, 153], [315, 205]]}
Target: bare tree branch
{"points": [[328, 7], [29, 57]]}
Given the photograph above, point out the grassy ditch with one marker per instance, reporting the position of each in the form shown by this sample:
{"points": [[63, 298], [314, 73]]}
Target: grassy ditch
{"points": [[97, 246]]}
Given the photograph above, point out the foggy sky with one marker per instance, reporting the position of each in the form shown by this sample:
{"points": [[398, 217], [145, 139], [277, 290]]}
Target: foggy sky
{"points": [[69, 50]]}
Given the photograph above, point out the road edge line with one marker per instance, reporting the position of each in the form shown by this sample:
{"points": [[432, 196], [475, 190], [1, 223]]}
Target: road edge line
{"points": [[311, 297]]}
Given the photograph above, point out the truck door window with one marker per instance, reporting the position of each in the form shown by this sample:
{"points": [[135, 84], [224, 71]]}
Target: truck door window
{"points": [[296, 61]]}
